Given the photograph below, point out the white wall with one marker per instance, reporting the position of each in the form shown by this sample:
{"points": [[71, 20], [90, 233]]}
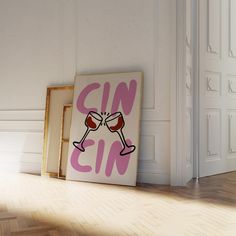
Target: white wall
{"points": [[46, 42], [37, 49]]}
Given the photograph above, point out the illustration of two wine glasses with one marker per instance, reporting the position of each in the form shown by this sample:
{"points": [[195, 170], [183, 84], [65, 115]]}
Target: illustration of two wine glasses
{"points": [[114, 122]]}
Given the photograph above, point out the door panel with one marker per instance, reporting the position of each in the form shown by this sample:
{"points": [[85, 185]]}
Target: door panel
{"points": [[213, 44], [232, 31], [232, 133], [217, 87], [213, 135]]}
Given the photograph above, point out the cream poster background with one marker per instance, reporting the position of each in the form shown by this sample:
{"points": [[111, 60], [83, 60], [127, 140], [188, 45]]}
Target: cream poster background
{"points": [[104, 137]]}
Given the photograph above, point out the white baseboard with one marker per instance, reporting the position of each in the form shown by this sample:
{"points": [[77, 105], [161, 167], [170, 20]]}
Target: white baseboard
{"points": [[155, 178]]}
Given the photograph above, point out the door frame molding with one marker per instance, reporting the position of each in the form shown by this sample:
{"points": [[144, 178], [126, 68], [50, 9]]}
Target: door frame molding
{"points": [[196, 96], [178, 99]]}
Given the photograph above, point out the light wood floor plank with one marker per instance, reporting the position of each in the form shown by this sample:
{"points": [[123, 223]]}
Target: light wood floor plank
{"points": [[38, 206]]}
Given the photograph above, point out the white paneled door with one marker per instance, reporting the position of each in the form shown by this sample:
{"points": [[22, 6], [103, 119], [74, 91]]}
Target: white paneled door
{"points": [[217, 86]]}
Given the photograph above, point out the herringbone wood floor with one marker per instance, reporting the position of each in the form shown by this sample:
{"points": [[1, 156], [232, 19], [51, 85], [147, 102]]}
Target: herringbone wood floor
{"points": [[33, 205]]}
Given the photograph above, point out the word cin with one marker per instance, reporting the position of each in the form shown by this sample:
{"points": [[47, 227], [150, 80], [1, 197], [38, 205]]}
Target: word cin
{"points": [[123, 95], [113, 158]]}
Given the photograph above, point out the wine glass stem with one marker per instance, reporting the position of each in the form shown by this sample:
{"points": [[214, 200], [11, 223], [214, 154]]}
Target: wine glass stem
{"points": [[122, 138], [85, 135]]}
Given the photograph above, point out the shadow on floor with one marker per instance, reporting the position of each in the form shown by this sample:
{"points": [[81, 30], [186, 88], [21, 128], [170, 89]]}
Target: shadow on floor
{"points": [[19, 224], [217, 189]]}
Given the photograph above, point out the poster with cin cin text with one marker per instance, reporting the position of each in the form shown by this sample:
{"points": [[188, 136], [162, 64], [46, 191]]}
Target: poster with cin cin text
{"points": [[104, 135]]}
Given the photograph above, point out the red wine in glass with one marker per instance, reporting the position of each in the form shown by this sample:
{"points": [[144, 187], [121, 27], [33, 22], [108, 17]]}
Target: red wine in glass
{"points": [[115, 123], [92, 121]]}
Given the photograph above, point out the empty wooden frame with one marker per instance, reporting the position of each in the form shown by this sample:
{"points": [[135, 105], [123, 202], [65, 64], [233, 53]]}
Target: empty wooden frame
{"points": [[64, 140], [57, 97]]}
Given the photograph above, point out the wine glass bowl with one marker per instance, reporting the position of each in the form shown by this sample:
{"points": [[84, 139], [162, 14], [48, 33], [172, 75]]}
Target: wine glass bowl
{"points": [[92, 121], [115, 123]]}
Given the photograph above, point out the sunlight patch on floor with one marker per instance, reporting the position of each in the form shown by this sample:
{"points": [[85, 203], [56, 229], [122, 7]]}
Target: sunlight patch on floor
{"points": [[96, 208]]}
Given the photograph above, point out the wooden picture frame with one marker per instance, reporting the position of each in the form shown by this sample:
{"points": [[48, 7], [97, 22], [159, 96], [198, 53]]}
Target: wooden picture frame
{"points": [[57, 96], [64, 140]]}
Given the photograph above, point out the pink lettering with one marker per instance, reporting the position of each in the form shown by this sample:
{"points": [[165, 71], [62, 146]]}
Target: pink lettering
{"points": [[106, 91], [100, 152], [114, 157], [75, 158], [82, 96], [125, 96]]}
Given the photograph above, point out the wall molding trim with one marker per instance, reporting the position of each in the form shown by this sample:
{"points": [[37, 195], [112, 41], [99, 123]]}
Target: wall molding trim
{"points": [[21, 135]]}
